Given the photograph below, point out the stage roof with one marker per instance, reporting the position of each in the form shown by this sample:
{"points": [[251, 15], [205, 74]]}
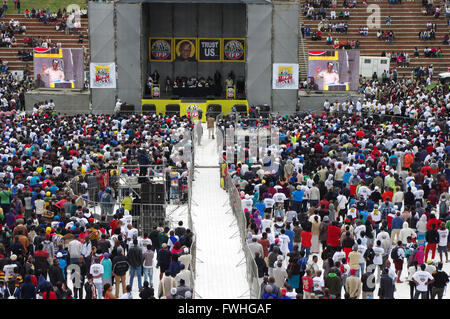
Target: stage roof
{"points": [[198, 1]]}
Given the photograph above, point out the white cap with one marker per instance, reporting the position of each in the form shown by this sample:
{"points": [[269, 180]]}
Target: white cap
{"points": [[59, 255]]}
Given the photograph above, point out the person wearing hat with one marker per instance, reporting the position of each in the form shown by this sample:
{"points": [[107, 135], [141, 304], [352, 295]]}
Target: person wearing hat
{"points": [[54, 73], [329, 76], [182, 289], [166, 286]]}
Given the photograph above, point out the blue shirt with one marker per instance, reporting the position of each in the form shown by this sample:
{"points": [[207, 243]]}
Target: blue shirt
{"points": [[260, 206], [346, 177], [290, 234], [298, 195], [107, 268], [364, 214], [397, 223]]}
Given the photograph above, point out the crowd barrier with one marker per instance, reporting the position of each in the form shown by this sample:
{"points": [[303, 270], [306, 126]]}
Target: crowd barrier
{"points": [[226, 183], [251, 268]]}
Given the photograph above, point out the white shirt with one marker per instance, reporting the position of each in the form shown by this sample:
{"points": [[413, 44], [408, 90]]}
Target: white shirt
{"points": [[284, 243], [39, 204], [279, 197], [342, 201], [362, 249], [247, 203], [97, 269], [338, 256], [443, 235], [269, 202], [422, 277], [318, 283], [378, 259]]}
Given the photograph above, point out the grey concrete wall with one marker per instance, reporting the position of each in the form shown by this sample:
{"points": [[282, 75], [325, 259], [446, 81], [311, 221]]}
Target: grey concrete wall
{"points": [[129, 64], [314, 102], [259, 54], [101, 46], [67, 102], [285, 49]]}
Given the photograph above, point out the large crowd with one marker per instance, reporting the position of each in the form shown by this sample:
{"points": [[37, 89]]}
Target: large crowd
{"points": [[46, 226], [352, 205]]}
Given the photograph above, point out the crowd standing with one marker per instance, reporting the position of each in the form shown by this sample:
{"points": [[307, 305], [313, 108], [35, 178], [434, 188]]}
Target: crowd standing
{"points": [[47, 228], [352, 205]]}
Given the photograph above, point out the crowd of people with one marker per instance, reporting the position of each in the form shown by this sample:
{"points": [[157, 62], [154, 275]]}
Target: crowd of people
{"points": [[351, 205], [46, 226]]}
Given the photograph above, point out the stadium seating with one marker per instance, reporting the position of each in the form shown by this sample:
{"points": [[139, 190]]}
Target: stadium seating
{"points": [[36, 29], [407, 21]]}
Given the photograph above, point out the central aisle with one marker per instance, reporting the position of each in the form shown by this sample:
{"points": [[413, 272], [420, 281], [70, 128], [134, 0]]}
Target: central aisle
{"points": [[218, 241]]}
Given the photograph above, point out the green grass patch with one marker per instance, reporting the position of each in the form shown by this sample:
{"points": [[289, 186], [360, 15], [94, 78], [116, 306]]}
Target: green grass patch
{"points": [[53, 5]]}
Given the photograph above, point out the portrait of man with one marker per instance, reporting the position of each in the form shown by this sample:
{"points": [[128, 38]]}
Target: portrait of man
{"points": [[329, 75], [54, 74], [185, 50]]}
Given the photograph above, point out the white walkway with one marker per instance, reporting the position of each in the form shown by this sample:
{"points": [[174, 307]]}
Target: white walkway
{"points": [[218, 242]]}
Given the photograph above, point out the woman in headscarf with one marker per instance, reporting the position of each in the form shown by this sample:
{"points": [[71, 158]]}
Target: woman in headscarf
{"points": [[315, 230], [331, 212], [323, 231], [257, 220], [421, 227]]}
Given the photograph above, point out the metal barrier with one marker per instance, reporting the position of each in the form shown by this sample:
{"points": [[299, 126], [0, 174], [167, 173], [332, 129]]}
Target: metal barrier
{"points": [[380, 117], [251, 268]]}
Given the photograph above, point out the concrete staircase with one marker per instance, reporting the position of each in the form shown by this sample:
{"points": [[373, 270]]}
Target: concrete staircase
{"points": [[407, 20], [35, 29]]}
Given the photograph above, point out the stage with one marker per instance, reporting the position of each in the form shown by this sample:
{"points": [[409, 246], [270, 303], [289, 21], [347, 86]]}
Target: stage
{"points": [[67, 101], [201, 39]]}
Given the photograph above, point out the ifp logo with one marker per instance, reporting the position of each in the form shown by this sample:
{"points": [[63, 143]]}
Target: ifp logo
{"points": [[192, 110]]}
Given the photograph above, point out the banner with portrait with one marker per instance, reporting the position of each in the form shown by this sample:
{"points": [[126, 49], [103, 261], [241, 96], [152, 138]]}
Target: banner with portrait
{"points": [[103, 75], [285, 76], [185, 49], [233, 50], [209, 50], [161, 49]]}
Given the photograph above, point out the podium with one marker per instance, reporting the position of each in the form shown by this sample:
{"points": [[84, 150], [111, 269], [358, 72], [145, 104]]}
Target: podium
{"points": [[230, 92], [336, 87], [62, 85], [155, 91]]}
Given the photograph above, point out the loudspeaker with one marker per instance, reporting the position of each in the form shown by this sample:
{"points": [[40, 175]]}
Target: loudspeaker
{"points": [[152, 193], [148, 109], [158, 194], [126, 109], [153, 215], [145, 193]]}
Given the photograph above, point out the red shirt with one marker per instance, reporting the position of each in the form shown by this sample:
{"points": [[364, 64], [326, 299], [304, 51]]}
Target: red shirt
{"points": [[425, 169], [387, 194], [113, 225], [307, 283], [51, 296], [432, 221], [360, 134], [333, 236], [306, 238], [390, 217]]}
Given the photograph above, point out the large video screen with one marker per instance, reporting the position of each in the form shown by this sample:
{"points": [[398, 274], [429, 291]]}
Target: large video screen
{"points": [[336, 70], [58, 68]]}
